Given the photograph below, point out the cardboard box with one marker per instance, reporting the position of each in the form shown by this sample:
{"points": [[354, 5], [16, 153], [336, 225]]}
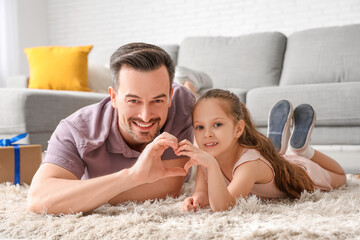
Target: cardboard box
{"points": [[30, 160]]}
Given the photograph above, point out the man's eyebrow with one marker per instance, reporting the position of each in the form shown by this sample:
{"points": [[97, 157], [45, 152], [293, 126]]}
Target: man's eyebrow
{"points": [[163, 95], [131, 96], [135, 96]]}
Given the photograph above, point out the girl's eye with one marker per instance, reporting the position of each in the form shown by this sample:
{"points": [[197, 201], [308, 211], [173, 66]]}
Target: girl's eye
{"points": [[218, 124], [199, 127]]}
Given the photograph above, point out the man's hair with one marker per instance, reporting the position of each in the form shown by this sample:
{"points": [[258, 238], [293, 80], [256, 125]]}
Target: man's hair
{"points": [[140, 56]]}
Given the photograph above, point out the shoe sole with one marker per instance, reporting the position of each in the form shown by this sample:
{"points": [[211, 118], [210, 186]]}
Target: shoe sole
{"points": [[278, 125], [304, 122]]}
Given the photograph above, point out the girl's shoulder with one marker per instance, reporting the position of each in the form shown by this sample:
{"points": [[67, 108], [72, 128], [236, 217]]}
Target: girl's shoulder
{"points": [[249, 155]]}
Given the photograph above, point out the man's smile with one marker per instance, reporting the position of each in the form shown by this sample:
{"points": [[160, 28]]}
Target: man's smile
{"points": [[144, 126]]}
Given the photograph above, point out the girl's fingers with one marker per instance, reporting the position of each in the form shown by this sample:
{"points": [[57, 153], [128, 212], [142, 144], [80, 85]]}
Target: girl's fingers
{"points": [[187, 204], [186, 208], [185, 147], [195, 205], [183, 150]]}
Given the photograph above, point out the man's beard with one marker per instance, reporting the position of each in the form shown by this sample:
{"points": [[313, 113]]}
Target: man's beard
{"points": [[147, 135]]}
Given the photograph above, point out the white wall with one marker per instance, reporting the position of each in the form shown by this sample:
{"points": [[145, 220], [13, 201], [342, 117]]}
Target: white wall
{"points": [[32, 28], [110, 23]]}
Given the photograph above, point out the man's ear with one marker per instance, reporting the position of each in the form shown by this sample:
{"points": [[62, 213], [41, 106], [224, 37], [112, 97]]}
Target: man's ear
{"points": [[240, 127], [112, 94]]}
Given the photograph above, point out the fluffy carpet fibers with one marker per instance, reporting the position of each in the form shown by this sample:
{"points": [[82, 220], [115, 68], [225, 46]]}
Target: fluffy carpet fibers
{"points": [[319, 215]]}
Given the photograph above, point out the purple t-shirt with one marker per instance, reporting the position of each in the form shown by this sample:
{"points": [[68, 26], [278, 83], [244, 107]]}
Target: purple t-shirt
{"points": [[90, 139]]}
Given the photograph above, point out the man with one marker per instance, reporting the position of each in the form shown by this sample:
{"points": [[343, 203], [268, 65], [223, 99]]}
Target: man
{"points": [[121, 148]]}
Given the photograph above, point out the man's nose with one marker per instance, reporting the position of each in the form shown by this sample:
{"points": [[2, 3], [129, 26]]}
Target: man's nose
{"points": [[146, 113]]}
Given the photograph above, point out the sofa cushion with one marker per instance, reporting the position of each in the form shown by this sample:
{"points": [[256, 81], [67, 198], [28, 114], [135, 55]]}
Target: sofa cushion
{"points": [[241, 93], [99, 78], [243, 62], [59, 68], [336, 104], [323, 55], [172, 50], [321, 135]]}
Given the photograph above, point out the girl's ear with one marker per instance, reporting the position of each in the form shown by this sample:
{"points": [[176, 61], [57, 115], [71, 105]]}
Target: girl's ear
{"points": [[240, 127]]}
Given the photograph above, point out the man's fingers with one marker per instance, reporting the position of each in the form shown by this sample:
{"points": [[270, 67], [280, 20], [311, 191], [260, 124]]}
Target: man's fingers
{"points": [[165, 143]]}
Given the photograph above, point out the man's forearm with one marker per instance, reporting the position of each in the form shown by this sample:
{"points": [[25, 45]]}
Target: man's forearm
{"points": [[166, 187], [56, 190], [56, 195]]}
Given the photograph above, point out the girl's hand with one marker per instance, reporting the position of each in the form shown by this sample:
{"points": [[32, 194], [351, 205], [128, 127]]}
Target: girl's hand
{"points": [[197, 156], [190, 203]]}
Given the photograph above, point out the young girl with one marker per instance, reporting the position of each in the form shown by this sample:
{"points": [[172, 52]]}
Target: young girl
{"points": [[237, 161]]}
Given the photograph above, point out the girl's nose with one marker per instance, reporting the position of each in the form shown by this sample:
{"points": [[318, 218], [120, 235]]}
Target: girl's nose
{"points": [[208, 133]]}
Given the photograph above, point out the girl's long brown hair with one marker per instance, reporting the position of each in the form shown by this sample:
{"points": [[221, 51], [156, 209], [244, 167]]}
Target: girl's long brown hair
{"points": [[289, 178]]}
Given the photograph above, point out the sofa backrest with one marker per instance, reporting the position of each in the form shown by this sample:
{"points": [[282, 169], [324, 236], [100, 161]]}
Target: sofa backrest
{"points": [[172, 50], [245, 62], [322, 55]]}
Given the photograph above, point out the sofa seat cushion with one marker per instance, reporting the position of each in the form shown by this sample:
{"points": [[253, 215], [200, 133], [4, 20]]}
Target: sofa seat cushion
{"points": [[336, 104], [323, 55], [244, 62], [344, 135]]}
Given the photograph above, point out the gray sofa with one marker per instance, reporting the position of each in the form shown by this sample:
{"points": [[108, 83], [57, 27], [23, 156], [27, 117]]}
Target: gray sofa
{"points": [[317, 66]]}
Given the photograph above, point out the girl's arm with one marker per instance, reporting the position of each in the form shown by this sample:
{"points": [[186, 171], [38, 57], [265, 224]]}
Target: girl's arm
{"points": [[200, 197], [221, 197]]}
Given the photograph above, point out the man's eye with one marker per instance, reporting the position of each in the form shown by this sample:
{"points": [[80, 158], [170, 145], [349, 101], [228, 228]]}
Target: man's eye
{"points": [[159, 101], [218, 124], [133, 101], [199, 127]]}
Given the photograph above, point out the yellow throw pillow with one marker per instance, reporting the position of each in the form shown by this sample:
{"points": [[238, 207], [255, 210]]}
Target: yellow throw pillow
{"points": [[59, 68]]}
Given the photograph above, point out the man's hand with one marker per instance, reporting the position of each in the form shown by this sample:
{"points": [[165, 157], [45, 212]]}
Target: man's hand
{"points": [[149, 166]]}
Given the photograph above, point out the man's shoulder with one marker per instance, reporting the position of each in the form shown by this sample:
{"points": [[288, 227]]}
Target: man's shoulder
{"points": [[93, 121]]}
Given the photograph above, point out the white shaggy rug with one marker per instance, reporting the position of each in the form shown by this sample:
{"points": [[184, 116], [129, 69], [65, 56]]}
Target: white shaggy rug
{"points": [[324, 215]]}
